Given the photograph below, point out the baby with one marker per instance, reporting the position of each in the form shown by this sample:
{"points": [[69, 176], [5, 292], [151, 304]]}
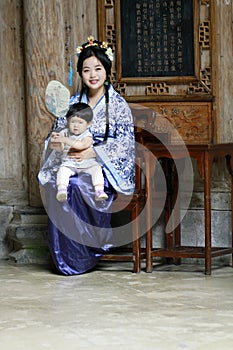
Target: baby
{"points": [[78, 137]]}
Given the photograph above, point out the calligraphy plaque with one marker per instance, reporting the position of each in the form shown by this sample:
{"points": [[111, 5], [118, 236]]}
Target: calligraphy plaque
{"points": [[155, 39]]}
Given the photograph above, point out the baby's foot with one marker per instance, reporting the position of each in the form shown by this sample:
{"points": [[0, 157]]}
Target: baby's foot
{"points": [[100, 195], [61, 195]]}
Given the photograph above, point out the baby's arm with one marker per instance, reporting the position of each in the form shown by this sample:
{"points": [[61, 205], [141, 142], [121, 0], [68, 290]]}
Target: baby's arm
{"points": [[79, 145]]}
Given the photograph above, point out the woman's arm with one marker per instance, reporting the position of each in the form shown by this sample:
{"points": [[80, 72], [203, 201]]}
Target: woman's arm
{"points": [[81, 155], [117, 155]]}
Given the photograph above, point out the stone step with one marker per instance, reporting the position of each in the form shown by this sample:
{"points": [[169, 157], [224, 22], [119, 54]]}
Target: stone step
{"points": [[29, 215], [31, 256], [31, 231], [27, 236], [28, 244]]}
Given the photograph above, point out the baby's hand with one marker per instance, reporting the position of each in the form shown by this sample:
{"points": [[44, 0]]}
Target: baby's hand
{"points": [[60, 138], [54, 137], [55, 143]]}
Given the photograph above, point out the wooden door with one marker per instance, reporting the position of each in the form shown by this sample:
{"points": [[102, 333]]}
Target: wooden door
{"points": [[38, 41], [52, 31], [13, 155]]}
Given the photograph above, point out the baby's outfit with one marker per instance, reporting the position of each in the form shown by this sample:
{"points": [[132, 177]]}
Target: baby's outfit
{"points": [[70, 167]]}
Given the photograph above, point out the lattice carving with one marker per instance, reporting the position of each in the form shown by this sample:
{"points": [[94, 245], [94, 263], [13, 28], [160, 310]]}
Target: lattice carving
{"points": [[113, 76], [108, 3], [111, 36], [206, 78], [196, 88], [121, 88], [204, 34], [157, 89], [204, 85]]}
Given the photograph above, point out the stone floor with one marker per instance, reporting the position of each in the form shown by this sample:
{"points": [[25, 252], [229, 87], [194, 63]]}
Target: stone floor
{"points": [[111, 308]]}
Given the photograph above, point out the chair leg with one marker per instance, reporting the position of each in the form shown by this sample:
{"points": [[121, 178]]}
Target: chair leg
{"points": [[177, 230], [149, 259], [136, 244]]}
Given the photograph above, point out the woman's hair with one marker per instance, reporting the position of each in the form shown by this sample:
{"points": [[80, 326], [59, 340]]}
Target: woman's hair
{"points": [[100, 54], [81, 110]]}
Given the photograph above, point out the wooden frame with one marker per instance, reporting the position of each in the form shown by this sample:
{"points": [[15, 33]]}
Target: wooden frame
{"points": [[120, 78], [197, 86]]}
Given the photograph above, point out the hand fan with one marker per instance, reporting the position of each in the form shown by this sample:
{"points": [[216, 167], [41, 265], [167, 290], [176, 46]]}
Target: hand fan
{"points": [[57, 98]]}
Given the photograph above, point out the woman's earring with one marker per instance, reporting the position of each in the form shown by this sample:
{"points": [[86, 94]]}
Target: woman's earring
{"points": [[106, 82]]}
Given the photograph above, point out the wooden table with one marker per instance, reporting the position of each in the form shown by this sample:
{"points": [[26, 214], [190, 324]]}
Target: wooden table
{"points": [[204, 155]]}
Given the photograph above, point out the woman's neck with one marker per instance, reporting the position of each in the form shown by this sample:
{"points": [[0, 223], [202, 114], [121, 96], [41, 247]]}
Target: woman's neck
{"points": [[94, 97]]}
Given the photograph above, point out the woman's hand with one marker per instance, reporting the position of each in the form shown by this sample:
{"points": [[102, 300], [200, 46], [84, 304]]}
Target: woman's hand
{"points": [[81, 155], [54, 143]]}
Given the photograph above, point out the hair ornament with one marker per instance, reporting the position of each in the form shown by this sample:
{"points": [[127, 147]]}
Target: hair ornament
{"points": [[92, 42]]}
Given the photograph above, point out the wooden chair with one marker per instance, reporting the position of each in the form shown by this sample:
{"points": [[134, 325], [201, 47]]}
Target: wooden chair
{"points": [[144, 119], [134, 207]]}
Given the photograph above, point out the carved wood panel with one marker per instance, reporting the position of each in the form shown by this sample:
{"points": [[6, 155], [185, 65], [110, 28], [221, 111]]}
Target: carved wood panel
{"points": [[191, 120]]}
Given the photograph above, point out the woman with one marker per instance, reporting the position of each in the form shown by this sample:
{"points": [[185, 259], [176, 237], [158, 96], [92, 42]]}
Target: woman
{"points": [[80, 230]]}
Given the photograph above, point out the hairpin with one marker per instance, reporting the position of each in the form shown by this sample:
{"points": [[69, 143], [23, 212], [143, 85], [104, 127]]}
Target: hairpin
{"points": [[92, 42]]}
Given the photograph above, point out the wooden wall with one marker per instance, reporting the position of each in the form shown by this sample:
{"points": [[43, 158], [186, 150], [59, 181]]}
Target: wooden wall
{"points": [[52, 31], [223, 54], [204, 99], [13, 155], [37, 39]]}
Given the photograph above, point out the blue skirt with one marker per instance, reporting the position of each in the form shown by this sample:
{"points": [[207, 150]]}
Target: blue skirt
{"points": [[79, 230]]}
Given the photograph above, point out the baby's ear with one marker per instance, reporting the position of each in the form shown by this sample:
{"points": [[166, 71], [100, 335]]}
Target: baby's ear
{"points": [[88, 124]]}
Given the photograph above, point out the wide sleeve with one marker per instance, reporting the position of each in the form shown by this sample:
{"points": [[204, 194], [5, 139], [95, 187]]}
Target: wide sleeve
{"points": [[51, 159], [117, 155]]}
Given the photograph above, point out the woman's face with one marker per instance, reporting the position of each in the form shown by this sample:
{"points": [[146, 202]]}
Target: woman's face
{"points": [[93, 74]]}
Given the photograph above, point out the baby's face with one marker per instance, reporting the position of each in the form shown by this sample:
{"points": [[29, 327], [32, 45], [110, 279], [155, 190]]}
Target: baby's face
{"points": [[77, 125]]}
